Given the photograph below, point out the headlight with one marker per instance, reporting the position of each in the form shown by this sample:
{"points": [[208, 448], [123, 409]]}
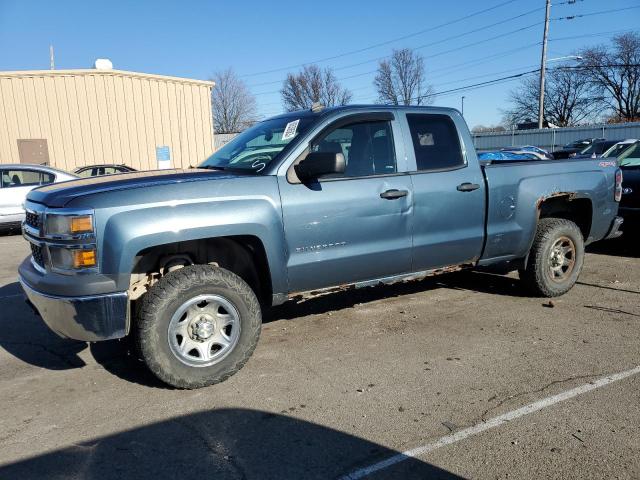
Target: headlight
{"points": [[69, 225], [72, 258]]}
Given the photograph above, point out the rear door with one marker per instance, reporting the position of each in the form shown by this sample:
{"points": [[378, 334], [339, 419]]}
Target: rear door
{"points": [[354, 226], [449, 192]]}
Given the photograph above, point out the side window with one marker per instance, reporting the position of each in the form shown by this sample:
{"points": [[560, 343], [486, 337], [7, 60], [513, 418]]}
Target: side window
{"points": [[435, 142], [25, 178], [46, 178], [367, 147], [85, 173]]}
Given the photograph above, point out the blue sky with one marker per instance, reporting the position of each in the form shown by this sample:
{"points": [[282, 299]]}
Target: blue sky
{"points": [[194, 39]]}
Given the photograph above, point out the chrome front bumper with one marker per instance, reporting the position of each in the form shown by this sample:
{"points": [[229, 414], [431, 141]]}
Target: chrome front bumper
{"points": [[89, 318]]}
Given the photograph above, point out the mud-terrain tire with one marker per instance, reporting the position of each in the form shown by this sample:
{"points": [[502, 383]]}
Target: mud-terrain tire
{"points": [[555, 259], [197, 326]]}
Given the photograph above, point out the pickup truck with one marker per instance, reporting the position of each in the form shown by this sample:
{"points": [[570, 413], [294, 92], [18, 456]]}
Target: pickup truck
{"points": [[185, 261]]}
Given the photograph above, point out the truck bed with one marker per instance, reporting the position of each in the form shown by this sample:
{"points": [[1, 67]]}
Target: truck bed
{"points": [[516, 191]]}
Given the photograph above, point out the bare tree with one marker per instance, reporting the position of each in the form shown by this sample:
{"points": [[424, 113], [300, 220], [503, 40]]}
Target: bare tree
{"points": [[400, 80], [234, 107], [616, 71], [313, 85], [570, 99]]}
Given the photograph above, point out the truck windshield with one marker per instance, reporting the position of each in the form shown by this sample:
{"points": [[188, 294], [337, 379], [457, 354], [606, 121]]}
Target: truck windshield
{"points": [[254, 149], [616, 150], [631, 158]]}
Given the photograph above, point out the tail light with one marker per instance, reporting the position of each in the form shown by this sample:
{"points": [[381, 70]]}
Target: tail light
{"points": [[618, 190]]}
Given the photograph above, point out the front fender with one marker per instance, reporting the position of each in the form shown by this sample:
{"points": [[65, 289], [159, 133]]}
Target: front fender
{"points": [[128, 232]]}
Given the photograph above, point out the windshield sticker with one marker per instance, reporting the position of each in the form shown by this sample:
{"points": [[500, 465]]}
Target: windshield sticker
{"points": [[290, 130]]}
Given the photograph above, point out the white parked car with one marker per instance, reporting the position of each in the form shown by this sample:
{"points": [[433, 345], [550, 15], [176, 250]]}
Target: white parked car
{"points": [[16, 180]]}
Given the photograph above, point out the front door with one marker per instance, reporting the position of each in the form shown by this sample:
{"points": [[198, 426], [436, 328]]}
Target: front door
{"points": [[355, 226]]}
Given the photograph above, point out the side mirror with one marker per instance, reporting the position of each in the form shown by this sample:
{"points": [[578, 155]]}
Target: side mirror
{"points": [[317, 164]]}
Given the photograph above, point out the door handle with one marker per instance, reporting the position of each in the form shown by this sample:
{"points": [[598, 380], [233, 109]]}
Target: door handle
{"points": [[394, 194], [467, 187]]}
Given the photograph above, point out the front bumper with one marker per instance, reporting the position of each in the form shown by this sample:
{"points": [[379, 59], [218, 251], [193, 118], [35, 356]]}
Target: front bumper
{"points": [[88, 318], [614, 231]]}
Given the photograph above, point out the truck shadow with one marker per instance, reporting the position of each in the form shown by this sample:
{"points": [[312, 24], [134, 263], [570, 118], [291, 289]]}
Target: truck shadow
{"points": [[24, 335], [225, 443]]}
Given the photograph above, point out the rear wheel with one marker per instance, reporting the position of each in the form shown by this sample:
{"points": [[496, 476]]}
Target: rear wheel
{"points": [[198, 326], [556, 258]]}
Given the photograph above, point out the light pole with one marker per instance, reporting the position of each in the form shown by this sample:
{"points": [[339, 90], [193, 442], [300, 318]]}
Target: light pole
{"points": [[543, 64], [543, 68], [462, 107], [566, 57]]}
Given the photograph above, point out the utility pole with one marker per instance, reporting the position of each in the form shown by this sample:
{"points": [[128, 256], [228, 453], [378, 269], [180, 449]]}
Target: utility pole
{"points": [[53, 64], [462, 109], [543, 64]]}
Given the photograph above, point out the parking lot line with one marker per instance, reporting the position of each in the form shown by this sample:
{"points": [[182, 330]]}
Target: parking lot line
{"points": [[492, 423]]}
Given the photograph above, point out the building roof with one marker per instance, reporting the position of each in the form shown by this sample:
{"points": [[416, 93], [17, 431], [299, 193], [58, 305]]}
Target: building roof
{"points": [[94, 71]]}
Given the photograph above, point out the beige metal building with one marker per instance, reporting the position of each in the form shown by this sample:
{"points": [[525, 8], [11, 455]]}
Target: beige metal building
{"points": [[71, 118]]}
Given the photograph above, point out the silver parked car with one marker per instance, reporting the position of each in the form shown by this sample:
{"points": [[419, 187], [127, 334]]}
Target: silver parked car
{"points": [[16, 180]]}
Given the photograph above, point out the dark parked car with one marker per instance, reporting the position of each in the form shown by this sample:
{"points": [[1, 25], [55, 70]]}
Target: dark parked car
{"points": [[575, 147], [97, 170], [621, 149], [596, 149]]}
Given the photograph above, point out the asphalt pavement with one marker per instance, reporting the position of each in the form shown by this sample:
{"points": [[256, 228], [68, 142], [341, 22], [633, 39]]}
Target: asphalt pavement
{"points": [[461, 375]]}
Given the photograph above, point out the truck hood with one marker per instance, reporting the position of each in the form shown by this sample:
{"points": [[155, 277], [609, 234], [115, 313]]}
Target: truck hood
{"points": [[60, 194]]}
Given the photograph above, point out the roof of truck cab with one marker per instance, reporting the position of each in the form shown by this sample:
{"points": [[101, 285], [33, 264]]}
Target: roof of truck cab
{"points": [[355, 108]]}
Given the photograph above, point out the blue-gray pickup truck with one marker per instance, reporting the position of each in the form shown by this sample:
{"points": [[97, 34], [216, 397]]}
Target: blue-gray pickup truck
{"points": [[186, 260]]}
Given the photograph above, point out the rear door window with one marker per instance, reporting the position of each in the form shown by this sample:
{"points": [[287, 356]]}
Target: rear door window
{"points": [[435, 142]]}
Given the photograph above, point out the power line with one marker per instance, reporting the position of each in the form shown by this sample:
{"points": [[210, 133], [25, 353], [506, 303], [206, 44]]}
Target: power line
{"points": [[504, 79], [387, 42], [430, 44], [473, 44], [602, 12], [474, 77], [454, 37], [596, 34]]}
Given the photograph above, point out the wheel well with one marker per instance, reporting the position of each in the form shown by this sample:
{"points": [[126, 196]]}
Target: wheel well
{"points": [[243, 255], [578, 210]]}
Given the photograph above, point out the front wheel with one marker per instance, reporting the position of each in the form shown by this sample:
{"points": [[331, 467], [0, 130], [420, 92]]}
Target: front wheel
{"points": [[198, 326], [555, 259]]}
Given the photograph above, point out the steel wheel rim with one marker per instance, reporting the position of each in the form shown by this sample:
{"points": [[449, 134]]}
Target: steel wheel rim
{"points": [[562, 259], [204, 330]]}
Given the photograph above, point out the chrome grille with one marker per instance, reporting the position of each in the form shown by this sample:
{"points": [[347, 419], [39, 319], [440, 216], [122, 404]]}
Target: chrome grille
{"points": [[32, 219], [36, 253]]}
